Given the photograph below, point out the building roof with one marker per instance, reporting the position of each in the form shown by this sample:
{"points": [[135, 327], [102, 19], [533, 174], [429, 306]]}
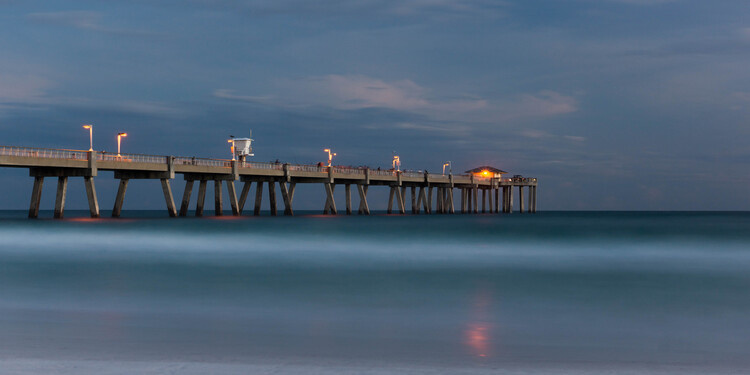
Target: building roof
{"points": [[485, 168]]}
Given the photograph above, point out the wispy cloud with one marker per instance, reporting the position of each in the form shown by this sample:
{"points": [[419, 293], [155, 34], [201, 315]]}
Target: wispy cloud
{"points": [[230, 95], [422, 9], [643, 2], [82, 20], [361, 92]]}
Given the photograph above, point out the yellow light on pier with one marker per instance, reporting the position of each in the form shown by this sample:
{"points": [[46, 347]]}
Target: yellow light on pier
{"points": [[119, 137], [91, 136], [450, 167], [330, 155]]}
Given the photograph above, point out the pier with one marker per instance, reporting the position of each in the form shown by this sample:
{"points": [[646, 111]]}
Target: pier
{"points": [[428, 193]]}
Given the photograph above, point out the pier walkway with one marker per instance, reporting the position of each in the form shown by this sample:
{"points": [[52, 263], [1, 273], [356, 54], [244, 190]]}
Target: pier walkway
{"points": [[429, 193]]}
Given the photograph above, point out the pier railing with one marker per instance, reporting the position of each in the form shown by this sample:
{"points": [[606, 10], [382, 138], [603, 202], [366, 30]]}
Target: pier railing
{"points": [[131, 158], [307, 168], [204, 162], [343, 170], [50, 153]]}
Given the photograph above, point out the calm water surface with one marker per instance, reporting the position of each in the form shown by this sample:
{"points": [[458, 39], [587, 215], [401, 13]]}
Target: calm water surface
{"points": [[557, 293]]}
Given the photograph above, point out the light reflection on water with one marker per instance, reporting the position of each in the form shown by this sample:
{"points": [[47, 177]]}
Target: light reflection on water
{"points": [[478, 331]]}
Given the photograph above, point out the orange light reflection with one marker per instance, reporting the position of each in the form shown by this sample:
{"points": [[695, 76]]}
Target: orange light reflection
{"points": [[478, 332]]}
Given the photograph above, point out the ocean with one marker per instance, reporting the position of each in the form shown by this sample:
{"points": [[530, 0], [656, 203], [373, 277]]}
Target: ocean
{"points": [[549, 293]]}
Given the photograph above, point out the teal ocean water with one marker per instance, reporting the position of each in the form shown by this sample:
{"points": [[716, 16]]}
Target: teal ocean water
{"points": [[554, 292]]}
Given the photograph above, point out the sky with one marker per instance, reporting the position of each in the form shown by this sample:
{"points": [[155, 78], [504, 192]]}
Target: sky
{"points": [[611, 104]]}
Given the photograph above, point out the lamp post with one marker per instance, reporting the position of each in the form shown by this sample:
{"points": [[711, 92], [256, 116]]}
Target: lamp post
{"points": [[119, 137], [396, 163], [91, 136], [450, 167], [231, 140], [330, 155]]}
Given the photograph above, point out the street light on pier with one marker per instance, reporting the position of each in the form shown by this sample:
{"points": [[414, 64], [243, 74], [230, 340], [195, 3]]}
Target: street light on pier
{"points": [[396, 163], [450, 167], [330, 155], [91, 136], [119, 137], [231, 140]]}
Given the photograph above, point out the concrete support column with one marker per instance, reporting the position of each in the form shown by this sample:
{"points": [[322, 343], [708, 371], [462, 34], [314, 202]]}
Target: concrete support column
{"points": [[475, 195], [429, 199], [439, 200], [531, 199], [535, 199], [520, 199], [444, 197], [348, 194], [285, 195], [36, 197], [422, 201], [233, 198], [272, 197], [510, 199], [186, 197], [167, 189], [364, 208], [117, 210], [62, 190], [506, 200], [202, 187], [497, 200], [489, 200], [243, 195], [258, 197], [463, 200], [401, 205], [414, 206], [91, 195], [451, 209], [330, 201], [218, 204], [391, 195], [484, 200]]}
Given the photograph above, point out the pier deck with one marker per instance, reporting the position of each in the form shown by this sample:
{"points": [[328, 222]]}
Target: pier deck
{"points": [[497, 193]]}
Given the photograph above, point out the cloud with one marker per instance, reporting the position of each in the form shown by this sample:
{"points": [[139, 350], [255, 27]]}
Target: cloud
{"points": [[358, 92], [545, 103], [82, 20], [421, 9], [77, 19], [643, 2], [575, 138], [740, 100], [21, 88], [230, 94]]}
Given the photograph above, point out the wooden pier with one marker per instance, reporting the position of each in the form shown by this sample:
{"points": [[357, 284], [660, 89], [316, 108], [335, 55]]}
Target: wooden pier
{"points": [[428, 193]]}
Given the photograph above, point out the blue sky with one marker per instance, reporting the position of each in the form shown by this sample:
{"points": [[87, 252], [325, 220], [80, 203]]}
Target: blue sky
{"points": [[613, 104]]}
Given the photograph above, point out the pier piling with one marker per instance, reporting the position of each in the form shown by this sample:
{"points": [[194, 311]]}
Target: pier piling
{"points": [[233, 198], [186, 197], [62, 189], [120, 198], [258, 197], [167, 189], [91, 196], [201, 201], [36, 197], [218, 204]]}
